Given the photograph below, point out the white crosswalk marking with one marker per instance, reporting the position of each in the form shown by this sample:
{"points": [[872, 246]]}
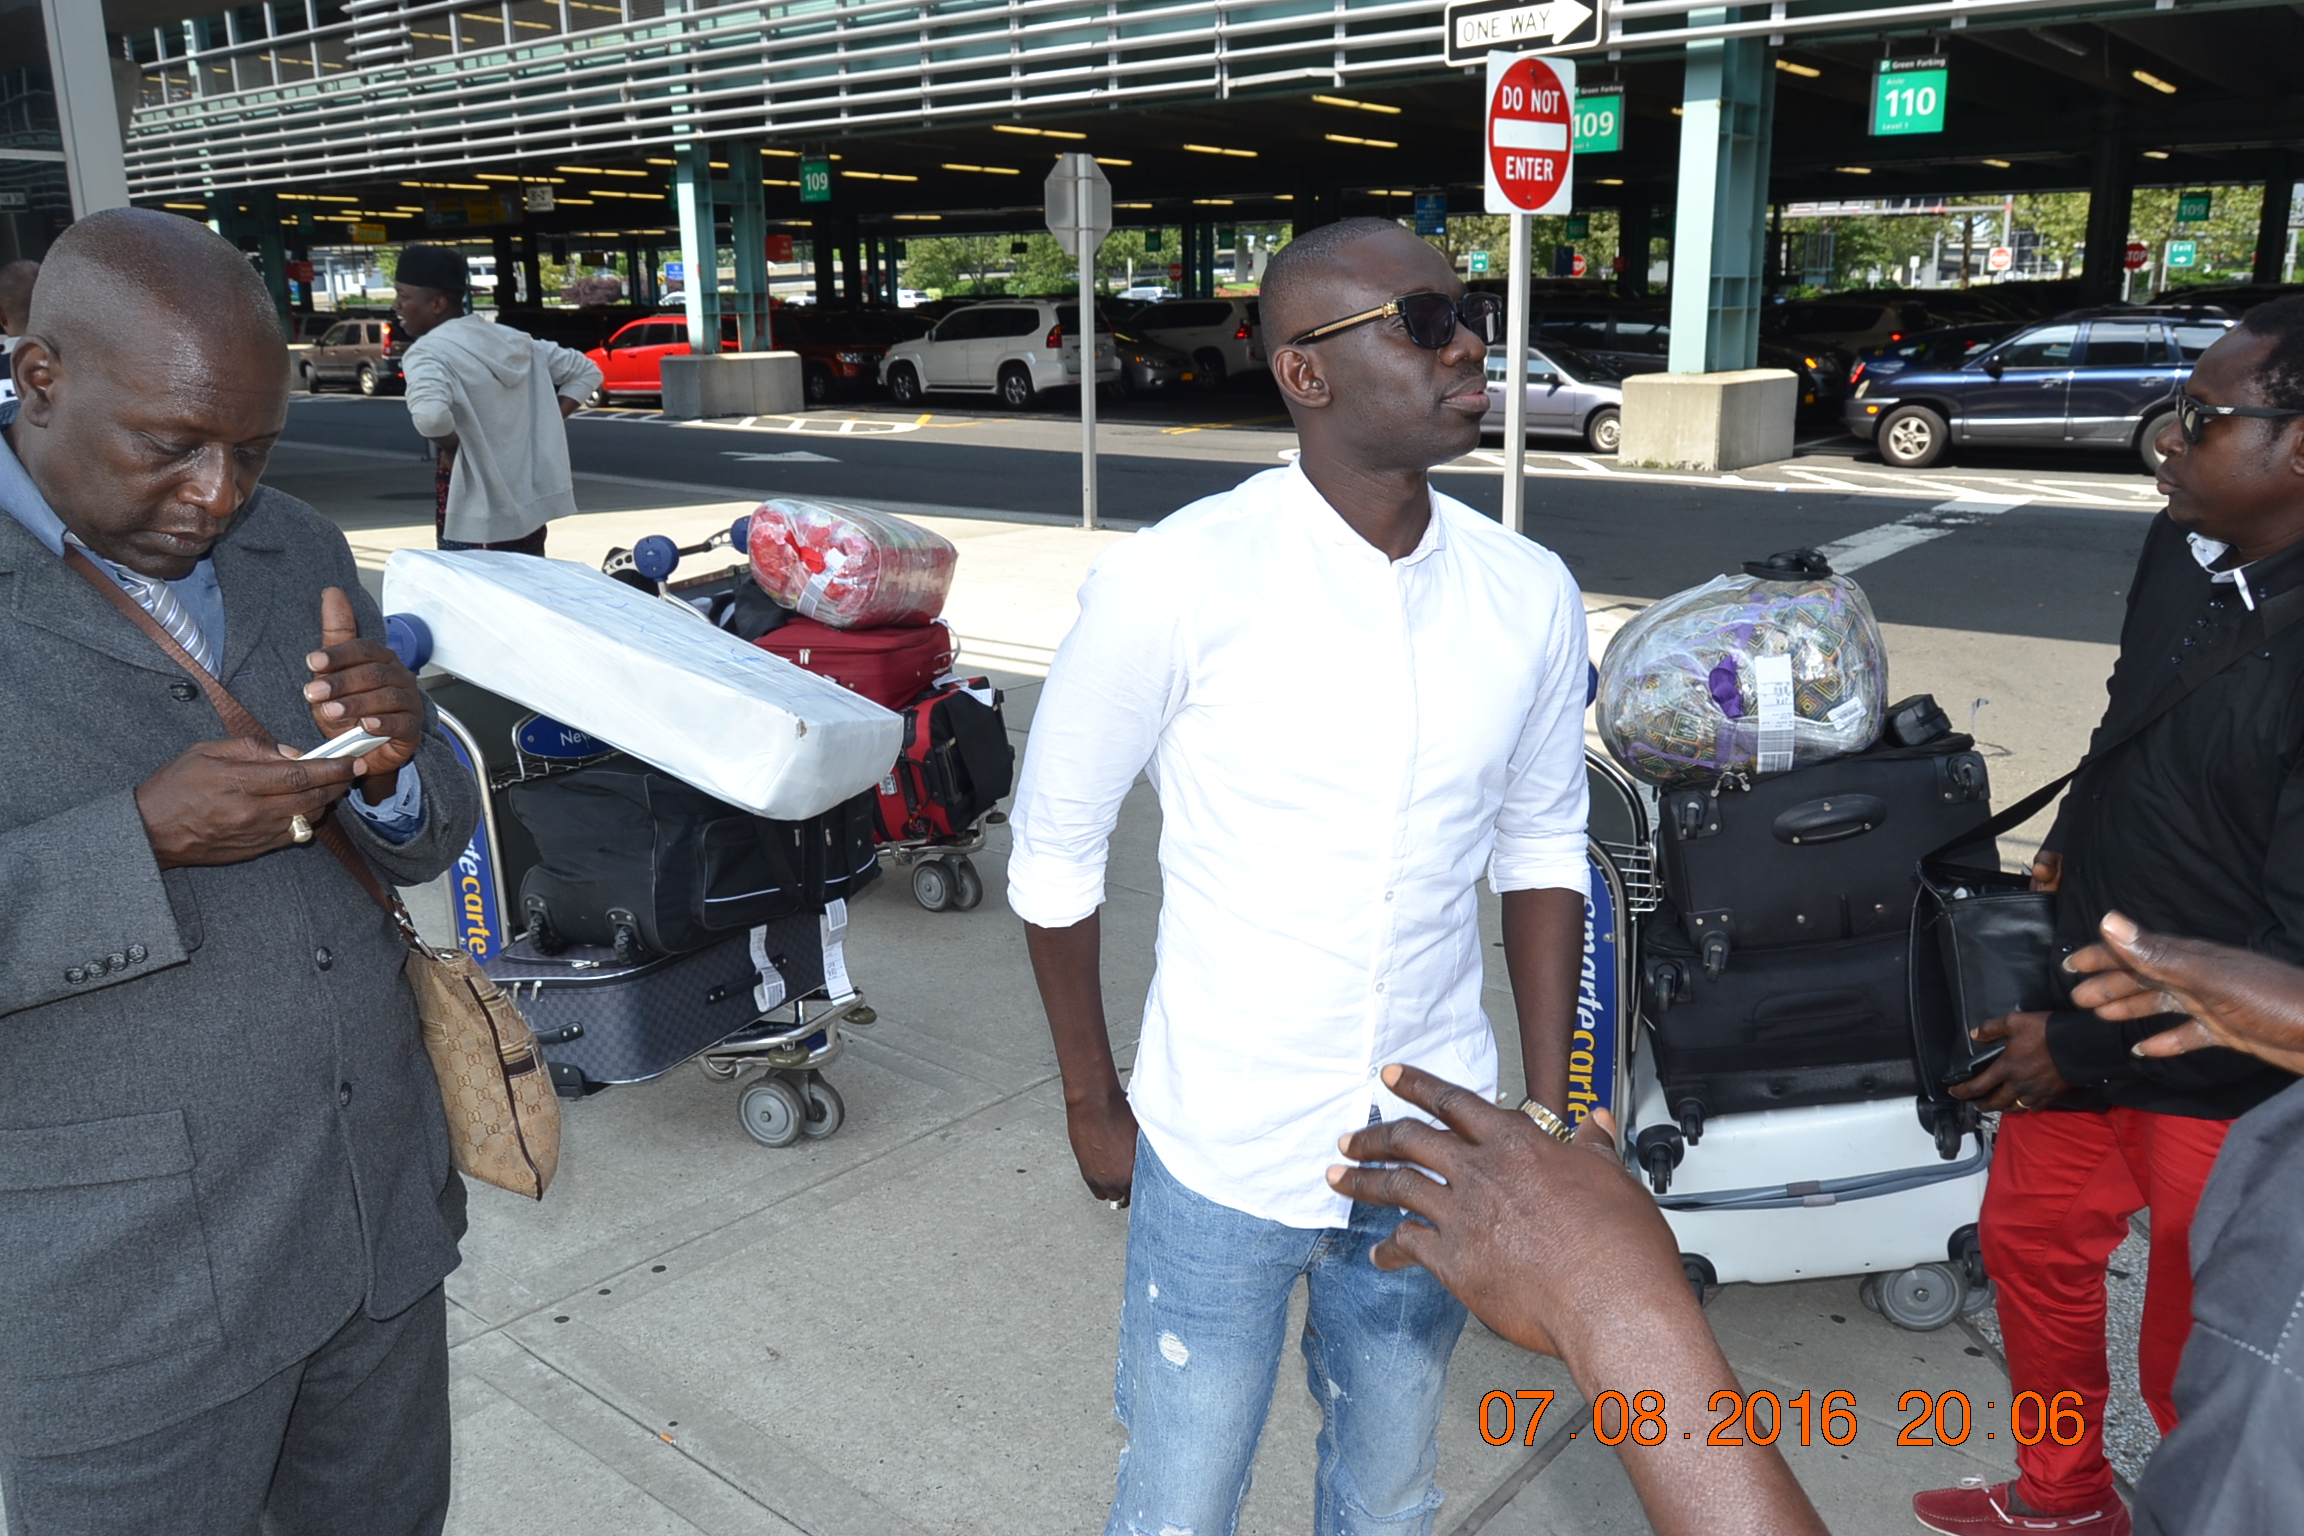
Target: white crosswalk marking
{"points": [[1859, 550]]}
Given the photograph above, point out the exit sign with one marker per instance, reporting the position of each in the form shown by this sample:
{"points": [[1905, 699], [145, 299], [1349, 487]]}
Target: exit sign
{"points": [[1599, 123], [1908, 97], [2183, 253], [2194, 207], [1476, 262], [815, 181]]}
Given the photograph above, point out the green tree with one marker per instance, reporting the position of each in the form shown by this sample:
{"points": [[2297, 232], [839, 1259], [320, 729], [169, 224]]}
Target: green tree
{"points": [[950, 264], [2225, 245]]}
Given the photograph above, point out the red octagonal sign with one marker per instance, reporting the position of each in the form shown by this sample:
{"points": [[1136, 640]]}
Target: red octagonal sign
{"points": [[1531, 110], [2139, 256]]}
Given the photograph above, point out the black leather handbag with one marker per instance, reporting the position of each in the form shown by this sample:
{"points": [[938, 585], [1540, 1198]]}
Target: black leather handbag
{"points": [[1983, 941]]}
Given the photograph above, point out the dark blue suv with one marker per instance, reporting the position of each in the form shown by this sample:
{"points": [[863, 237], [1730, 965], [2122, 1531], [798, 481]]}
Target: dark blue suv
{"points": [[2094, 380]]}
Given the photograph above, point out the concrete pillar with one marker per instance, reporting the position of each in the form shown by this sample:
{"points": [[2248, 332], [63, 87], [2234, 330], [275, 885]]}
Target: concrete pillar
{"points": [[699, 243], [1726, 114], [271, 247], [2272, 219], [87, 106], [748, 239], [2111, 199], [1637, 226]]}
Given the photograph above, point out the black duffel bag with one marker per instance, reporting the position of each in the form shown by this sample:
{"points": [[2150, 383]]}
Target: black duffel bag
{"points": [[638, 860]]}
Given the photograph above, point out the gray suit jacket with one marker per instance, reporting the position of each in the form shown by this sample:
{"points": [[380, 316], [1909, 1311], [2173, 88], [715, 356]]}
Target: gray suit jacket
{"points": [[223, 1139]]}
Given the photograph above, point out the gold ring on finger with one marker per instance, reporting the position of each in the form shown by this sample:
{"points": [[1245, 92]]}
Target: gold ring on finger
{"points": [[2020, 1104], [299, 829]]}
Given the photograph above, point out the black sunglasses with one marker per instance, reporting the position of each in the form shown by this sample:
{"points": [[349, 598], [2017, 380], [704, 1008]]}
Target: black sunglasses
{"points": [[2192, 417], [1431, 319]]}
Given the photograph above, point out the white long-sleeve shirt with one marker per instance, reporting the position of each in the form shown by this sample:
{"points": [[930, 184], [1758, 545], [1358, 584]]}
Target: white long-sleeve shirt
{"points": [[1340, 743]]}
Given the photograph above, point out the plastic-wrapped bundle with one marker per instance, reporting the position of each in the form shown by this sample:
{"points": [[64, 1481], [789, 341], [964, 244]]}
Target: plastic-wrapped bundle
{"points": [[849, 567], [1744, 675]]}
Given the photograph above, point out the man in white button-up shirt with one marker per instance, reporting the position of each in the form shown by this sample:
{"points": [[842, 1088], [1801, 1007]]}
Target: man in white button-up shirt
{"points": [[1353, 695]]}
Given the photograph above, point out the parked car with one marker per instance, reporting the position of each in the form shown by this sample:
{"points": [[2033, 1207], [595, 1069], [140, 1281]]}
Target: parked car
{"points": [[1947, 348], [1850, 322], [1223, 337], [2097, 379], [1015, 348], [362, 354], [1569, 394], [1148, 368], [911, 298], [840, 349], [1632, 337], [631, 362], [1146, 293]]}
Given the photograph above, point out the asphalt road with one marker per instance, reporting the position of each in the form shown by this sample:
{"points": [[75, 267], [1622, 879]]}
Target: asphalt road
{"points": [[2054, 567]]}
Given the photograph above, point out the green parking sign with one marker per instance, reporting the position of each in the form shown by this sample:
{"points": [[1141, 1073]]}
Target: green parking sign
{"points": [[1476, 262], [1579, 226], [1908, 97], [2183, 253], [815, 181], [2194, 207], [1599, 124]]}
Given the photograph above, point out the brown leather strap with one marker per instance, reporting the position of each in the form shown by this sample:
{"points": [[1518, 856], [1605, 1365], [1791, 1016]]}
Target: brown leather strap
{"points": [[239, 722]]}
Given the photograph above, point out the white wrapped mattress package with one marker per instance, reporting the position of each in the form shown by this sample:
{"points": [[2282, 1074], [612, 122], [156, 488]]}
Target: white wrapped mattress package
{"points": [[644, 676]]}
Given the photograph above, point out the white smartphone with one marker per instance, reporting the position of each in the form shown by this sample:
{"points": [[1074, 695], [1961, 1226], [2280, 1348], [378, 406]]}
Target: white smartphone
{"points": [[351, 744]]}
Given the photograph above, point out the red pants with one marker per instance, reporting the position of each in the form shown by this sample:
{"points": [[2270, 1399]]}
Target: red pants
{"points": [[2064, 1183]]}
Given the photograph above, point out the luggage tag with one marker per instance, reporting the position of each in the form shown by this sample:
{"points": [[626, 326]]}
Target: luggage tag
{"points": [[770, 992], [836, 983]]}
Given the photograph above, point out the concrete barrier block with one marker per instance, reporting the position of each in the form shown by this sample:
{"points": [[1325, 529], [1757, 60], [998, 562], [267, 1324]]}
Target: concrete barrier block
{"points": [[731, 384], [1708, 421]]}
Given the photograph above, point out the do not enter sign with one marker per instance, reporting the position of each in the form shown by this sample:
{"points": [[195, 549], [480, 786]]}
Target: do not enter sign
{"points": [[1531, 111]]}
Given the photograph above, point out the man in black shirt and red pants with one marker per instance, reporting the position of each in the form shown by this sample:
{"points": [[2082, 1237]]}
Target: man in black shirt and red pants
{"points": [[2194, 826]]}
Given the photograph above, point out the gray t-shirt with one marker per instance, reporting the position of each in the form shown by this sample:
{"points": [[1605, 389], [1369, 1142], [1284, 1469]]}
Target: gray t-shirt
{"points": [[2234, 1466]]}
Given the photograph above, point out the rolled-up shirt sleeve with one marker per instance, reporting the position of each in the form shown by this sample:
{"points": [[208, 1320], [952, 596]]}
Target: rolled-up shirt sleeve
{"points": [[1540, 829], [1116, 683]]}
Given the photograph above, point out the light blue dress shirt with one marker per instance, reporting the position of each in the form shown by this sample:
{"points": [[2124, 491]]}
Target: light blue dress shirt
{"points": [[395, 820]]}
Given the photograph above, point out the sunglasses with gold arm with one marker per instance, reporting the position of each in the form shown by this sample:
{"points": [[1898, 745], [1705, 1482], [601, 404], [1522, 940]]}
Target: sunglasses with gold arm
{"points": [[1429, 318]]}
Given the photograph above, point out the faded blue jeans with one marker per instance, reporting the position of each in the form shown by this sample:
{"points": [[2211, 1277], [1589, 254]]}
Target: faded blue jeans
{"points": [[1201, 1329]]}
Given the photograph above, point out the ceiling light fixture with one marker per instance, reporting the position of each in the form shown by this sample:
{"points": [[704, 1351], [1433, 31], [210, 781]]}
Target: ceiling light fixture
{"points": [[987, 170], [1211, 202], [1998, 165], [2155, 154], [1212, 149], [1802, 70], [1111, 160], [781, 154], [605, 170], [920, 218], [1346, 138], [1358, 106], [1853, 170], [1608, 181], [1131, 205], [2148, 78]]}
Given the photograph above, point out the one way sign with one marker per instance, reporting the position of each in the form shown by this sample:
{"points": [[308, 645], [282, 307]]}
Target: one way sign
{"points": [[1478, 27]]}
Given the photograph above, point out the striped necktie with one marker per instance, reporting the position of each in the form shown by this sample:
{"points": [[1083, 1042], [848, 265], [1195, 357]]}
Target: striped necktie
{"points": [[159, 599]]}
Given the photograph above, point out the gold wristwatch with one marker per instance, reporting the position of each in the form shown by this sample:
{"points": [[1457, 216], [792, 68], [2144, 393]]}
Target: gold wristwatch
{"points": [[1551, 1124]]}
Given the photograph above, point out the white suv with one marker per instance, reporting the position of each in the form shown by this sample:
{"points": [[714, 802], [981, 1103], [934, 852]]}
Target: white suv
{"points": [[1223, 337], [1014, 348]]}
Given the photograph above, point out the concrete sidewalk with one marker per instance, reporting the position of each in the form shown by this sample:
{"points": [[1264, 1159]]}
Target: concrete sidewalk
{"points": [[910, 1326]]}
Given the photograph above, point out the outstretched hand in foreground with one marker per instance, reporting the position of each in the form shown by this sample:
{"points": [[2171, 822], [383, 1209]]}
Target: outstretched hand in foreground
{"points": [[2232, 997], [1558, 1249]]}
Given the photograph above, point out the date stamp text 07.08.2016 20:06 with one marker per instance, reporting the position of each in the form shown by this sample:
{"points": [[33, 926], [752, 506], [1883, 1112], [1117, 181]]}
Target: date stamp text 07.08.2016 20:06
{"points": [[1759, 1418]]}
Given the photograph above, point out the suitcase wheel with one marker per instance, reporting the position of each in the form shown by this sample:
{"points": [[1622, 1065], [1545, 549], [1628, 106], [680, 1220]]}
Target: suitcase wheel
{"points": [[1701, 1275], [1715, 954], [627, 936], [540, 930], [1659, 1149]]}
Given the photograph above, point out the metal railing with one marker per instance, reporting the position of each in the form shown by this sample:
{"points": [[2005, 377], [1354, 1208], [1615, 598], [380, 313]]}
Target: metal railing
{"points": [[394, 86]]}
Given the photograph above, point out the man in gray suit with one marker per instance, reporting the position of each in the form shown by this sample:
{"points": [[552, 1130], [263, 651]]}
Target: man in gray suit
{"points": [[226, 1202]]}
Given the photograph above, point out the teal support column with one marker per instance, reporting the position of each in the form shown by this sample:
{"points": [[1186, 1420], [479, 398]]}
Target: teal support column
{"points": [[747, 201], [692, 198], [271, 248], [1727, 110]]}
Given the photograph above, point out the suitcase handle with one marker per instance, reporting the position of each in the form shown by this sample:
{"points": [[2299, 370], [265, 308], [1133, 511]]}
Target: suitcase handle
{"points": [[1830, 819]]}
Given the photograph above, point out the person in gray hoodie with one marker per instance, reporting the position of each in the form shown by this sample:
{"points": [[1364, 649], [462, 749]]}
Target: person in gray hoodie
{"points": [[491, 401]]}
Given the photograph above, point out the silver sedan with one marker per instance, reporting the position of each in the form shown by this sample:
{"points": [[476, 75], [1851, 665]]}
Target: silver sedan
{"points": [[1569, 395]]}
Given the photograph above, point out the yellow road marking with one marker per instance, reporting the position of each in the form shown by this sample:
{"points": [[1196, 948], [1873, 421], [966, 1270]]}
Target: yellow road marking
{"points": [[924, 418], [1217, 426]]}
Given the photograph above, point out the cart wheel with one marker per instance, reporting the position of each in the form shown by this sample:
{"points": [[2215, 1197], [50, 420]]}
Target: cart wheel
{"points": [[772, 1113], [1701, 1275], [825, 1109], [968, 886], [1868, 1292], [932, 884], [862, 1013], [1922, 1298], [720, 1071]]}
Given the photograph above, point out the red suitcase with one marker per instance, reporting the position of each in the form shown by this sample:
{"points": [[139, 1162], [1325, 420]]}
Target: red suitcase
{"points": [[957, 764], [891, 667]]}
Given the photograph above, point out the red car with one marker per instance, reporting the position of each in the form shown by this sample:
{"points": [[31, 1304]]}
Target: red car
{"points": [[632, 360]]}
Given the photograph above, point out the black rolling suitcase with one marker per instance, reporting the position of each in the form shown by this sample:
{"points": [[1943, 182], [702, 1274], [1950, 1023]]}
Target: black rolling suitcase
{"points": [[602, 1020], [1778, 974], [1806, 1024], [1821, 854], [638, 862]]}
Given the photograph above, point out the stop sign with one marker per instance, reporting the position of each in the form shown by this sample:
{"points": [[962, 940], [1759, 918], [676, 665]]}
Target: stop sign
{"points": [[1531, 107], [2139, 256], [1175, 271], [1576, 267]]}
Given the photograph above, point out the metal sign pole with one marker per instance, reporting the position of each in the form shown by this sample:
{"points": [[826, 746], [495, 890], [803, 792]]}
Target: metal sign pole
{"points": [[1086, 243], [1516, 378]]}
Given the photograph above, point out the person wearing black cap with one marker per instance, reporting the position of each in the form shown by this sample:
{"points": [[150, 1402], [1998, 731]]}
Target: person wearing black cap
{"points": [[491, 401]]}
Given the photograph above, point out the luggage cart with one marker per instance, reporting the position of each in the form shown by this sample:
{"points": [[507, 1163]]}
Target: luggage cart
{"points": [[601, 1021], [1856, 1189]]}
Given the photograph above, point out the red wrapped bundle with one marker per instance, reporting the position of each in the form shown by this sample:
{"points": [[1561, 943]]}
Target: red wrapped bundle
{"points": [[849, 567]]}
